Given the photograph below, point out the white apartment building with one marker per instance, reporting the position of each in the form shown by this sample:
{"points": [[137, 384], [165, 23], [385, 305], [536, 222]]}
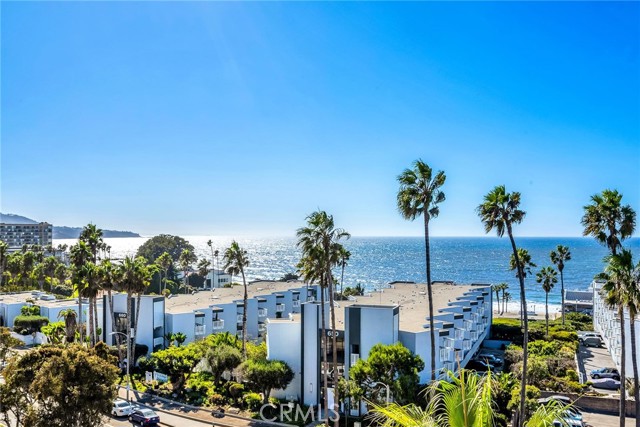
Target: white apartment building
{"points": [[398, 314], [607, 323], [11, 304], [16, 235]]}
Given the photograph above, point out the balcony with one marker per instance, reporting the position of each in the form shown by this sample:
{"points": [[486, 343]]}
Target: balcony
{"points": [[279, 308], [217, 325], [448, 343], [466, 345], [459, 333], [262, 312], [239, 318], [475, 335], [447, 355], [200, 330], [262, 327], [296, 304], [158, 341], [469, 325], [311, 298]]}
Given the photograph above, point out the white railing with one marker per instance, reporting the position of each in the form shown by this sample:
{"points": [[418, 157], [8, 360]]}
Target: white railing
{"points": [[448, 343], [218, 324], [311, 298], [296, 303], [239, 318], [475, 335], [200, 330], [446, 355], [466, 345], [262, 327], [158, 341], [279, 308], [262, 312], [468, 325], [459, 333]]}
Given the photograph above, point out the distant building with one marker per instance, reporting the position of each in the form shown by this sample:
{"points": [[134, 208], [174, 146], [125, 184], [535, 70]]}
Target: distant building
{"points": [[17, 235], [578, 301]]}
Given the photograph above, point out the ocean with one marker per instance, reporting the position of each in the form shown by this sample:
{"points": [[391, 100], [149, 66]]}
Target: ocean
{"points": [[376, 261]]}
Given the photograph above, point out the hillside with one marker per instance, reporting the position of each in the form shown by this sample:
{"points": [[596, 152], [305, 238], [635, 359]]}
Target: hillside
{"points": [[62, 232]]}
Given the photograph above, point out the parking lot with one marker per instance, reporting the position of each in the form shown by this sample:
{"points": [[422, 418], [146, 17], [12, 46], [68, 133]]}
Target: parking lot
{"points": [[602, 420], [590, 358]]}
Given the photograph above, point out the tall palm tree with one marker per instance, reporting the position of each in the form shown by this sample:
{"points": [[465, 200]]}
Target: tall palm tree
{"points": [[164, 262], [559, 257], [213, 265], [344, 257], [92, 236], [89, 273], [547, 277], [235, 261], [50, 264], [187, 258], [500, 211], [319, 241], [80, 255], [203, 269], [633, 304], [620, 292], [108, 282], [608, 221], [524, 259], [420, 194], [500, 287], [506, 297]]}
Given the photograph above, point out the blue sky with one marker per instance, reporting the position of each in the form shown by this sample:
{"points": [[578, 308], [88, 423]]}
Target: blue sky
{"points": [[242, 118]]}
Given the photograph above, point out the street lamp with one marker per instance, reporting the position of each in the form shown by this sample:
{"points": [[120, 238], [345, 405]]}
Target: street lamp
{"points": [[373, 384], [128, 359]]}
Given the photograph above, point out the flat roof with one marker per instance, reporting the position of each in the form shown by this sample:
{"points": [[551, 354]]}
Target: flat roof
{"points": [[412, 300], [22, 297], [186, 303]]}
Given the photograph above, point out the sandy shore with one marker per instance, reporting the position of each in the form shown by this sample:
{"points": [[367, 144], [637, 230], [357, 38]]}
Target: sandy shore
{"points": [[535, 310]]}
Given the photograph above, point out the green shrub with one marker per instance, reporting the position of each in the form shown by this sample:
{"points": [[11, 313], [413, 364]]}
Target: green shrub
{"points": [[25, 325], [572, 375], [253, 401], [62, 290], [544, 348], [235, 390], [216, 399], [565, 336], [531, 399], [30, 310]]}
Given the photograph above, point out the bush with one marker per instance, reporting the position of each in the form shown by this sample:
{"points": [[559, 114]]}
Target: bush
{"points": [[544, 348], [62, 290], [565, 336], [253, 401], [30, 310], [25, 325], [531, 399], [572, 375], [235, 390], [580, 321]]}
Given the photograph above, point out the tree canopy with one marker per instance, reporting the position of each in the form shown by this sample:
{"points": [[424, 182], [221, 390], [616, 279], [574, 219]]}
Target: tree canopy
{"points": [[266, 375], [58, 386], [157, 245]]}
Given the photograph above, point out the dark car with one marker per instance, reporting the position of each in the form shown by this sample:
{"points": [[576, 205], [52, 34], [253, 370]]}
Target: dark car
{"points": [[144, 417], [480, 366], [218, 413]]}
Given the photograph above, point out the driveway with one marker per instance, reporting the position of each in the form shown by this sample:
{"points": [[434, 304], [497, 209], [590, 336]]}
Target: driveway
{"points": [[590, 358], [602, 420]]}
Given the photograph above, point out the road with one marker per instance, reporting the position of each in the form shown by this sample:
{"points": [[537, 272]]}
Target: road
{"points": [[602, 420], [165, 421]]}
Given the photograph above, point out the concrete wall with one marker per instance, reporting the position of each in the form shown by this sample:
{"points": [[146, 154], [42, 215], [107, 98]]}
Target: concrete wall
{"points": [[284, 342], [606, 405]]}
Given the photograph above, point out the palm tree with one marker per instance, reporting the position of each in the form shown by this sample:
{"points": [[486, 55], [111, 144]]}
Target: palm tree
{"points": [[186, 259], [420, 194], [235, 261], [559, 257], [214, 254], [164, 262], [547, 277], [107, 279], [344, 257], [92, 236], [319, 242], [633, 304], [89, 273], [621, 291], [50, 265], [69, 316], [459, 401], [500, 211], [608, 221], [80, 255], [179, 338], [203, 270], [525, 264], [500, 287], [506, 297]]}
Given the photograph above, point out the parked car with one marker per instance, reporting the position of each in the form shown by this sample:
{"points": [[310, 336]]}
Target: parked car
{"points": [[480, 365], [606, 383], [558, 398], [144, 417], [494, 360], [591, 341], [122, 408], [218, 413], [605, 373]]}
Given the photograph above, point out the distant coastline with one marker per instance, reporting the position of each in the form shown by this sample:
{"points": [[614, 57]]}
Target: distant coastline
{"points": [[63, 232]]}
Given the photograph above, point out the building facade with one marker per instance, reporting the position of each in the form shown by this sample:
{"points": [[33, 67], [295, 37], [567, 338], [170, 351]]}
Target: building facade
{"points": [[607, 323], [17, 235]]}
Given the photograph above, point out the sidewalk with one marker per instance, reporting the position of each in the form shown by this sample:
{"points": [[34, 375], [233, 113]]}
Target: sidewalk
{"points": [[190, 412]]}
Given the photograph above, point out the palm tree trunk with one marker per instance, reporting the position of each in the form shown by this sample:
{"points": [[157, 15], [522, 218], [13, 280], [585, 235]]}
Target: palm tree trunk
{"points": [[504, 301], [244, 315], [80, 315], [432, 331], [525, 340], [497, 299], [546, 310], [634, 362], [334, 344], [562, 290], [91, 331], [135, 323], [623, 377], [342, 282], [128, 340], [323, 352]]}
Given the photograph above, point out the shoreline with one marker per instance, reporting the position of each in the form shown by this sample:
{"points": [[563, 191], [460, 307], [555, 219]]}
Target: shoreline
{"points": [[535, 310]]}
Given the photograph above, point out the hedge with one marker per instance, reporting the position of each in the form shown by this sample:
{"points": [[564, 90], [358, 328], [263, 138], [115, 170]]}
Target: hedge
{"points": [[25, 325]]}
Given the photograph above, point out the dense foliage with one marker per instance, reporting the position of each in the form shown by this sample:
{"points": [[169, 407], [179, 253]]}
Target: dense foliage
{"points": [[153, 248], [58, 386]]}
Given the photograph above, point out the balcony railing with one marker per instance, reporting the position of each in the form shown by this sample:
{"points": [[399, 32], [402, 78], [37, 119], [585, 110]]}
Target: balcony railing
{"points": [[311, 298], [475, 335], [239, 318], [262, 327], [459, 333], [354, 358], [447, 355], [218, 324], [262, 312], [448, 343], [200, 330], [158, 341], [296, 304], [466, 345], [279, 308]]}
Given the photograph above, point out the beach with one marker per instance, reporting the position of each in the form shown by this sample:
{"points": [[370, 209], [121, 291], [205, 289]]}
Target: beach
{"points": [[535, 309]]}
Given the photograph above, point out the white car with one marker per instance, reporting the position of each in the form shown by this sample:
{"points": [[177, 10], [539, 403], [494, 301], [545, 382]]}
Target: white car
{"points": [[122, 408]]}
